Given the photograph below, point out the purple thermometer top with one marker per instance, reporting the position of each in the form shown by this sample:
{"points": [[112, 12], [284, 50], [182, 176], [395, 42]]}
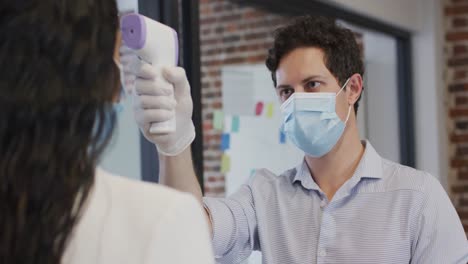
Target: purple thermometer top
{"points": [[134, 31]]}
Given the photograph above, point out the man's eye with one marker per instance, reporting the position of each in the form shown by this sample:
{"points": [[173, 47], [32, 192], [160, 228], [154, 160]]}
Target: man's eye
{"points": [[312, 85], [286, 92]]}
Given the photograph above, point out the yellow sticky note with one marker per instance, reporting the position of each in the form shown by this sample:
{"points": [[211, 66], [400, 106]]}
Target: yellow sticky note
{"points": [[225, 163], [269, 111]]}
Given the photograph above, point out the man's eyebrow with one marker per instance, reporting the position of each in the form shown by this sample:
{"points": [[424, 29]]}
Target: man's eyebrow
{"points": [[283, 86], [312, 77]]}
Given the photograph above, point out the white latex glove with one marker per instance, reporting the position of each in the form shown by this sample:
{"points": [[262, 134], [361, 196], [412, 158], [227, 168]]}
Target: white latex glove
{"points": [[157, 101]]}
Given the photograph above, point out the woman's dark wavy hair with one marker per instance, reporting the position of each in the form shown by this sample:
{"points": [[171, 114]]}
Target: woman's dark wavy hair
{"points": [[57, 84], [342, 54]]}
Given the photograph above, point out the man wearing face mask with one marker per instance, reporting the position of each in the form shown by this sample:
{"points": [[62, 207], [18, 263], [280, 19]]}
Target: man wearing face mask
{"points": [[344, 203]]}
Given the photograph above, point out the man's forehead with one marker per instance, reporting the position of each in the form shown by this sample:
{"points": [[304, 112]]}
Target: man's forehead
{"points": [[302, 62], [303, 57]]}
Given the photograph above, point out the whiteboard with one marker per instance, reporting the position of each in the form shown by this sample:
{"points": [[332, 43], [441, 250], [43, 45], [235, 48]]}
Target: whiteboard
{"points": [[257, 146], [257, 143]]}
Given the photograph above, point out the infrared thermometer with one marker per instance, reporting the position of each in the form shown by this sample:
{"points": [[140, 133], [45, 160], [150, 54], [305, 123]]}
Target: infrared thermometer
{"points": [[156, 44]]}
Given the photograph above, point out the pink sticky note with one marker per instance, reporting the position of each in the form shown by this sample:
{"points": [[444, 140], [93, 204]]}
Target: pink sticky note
{"points": [[259, 108]]}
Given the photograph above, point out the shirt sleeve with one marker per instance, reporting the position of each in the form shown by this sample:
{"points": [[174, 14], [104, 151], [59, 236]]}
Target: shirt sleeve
{"points": [[182, 235], [440, 237], [234, 226]]}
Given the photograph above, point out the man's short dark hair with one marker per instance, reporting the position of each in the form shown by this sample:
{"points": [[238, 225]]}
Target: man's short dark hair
{"points": [[342, 55]]}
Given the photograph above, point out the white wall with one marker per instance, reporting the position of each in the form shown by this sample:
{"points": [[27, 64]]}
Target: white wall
{"points": [[127, 5], [403, 13], [429, 97], [381, 94], [122, 157]]}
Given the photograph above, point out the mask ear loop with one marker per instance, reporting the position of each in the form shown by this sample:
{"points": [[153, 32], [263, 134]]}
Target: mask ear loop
{"points": [[349, 108], [344, 85], [349, 112]]}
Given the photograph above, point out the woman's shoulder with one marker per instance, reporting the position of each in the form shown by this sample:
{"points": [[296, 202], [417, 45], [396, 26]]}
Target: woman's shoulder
{"points": [[151, 215], [138, 196], [120, 210], [120, 185]]}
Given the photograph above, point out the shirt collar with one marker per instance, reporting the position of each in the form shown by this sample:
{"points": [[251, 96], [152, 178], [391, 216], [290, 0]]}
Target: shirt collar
{"points": [[304, 177], [370, 166]]}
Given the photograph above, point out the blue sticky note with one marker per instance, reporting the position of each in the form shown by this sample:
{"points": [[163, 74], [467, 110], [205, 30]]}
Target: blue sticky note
{"points": [[235, 124], [225, 141], [282, 137]]}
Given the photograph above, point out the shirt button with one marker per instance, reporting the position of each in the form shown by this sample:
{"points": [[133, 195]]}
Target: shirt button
{"points": [[323, 204], [322, 253]]}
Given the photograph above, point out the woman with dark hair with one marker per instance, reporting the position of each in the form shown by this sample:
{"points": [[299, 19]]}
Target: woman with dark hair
{"points": [[58, 87]]}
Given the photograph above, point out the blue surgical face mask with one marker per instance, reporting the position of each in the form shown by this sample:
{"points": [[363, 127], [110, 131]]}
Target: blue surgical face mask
{"points": [[311, 123], [118, 107]]}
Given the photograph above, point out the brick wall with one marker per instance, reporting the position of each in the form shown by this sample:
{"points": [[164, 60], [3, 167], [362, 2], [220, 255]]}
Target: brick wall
{"points": [[456, 77], [229, 34]]}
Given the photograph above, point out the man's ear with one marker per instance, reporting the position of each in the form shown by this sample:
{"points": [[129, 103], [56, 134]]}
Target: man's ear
{"points": [[355, 88]]}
